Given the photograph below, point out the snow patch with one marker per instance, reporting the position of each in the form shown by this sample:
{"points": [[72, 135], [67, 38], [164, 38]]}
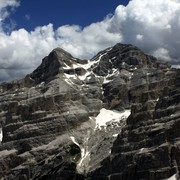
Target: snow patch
{"points": [[173, 177], [93, 62], [66, 66], [68, 78], [106, 116], [109, 78], [89, 64], [130, 75], [115, 135], [83, 77], [76, 66]]}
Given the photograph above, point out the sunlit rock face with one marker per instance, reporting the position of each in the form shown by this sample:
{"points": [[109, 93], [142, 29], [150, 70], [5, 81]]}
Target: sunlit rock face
{"points": [[115, 116]]}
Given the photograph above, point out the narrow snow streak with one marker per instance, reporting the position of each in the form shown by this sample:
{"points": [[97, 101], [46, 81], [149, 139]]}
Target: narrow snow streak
{"points": [[1, 135], [84, 154], [74, 141], [95, 61]]}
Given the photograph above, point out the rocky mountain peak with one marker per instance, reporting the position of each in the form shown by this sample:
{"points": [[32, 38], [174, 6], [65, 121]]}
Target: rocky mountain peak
{"points": [[126, 57], [51, 65], [115, 116]]}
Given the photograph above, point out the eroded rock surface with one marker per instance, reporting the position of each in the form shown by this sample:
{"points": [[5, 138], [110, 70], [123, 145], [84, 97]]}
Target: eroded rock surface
{"points": [[49, 118]]}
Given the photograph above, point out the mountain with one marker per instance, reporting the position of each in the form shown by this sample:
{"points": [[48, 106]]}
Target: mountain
{"points": [[116, 116]]}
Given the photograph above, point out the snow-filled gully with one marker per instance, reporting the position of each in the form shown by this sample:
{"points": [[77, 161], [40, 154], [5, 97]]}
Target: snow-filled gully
{"points": [[102, 120], [85, 154]]}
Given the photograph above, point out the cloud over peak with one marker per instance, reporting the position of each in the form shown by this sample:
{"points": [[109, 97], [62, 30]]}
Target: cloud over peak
{"points": [[152, 25]]}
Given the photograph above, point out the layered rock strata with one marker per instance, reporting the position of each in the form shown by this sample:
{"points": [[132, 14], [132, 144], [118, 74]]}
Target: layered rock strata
{"points": [[51, 119]]}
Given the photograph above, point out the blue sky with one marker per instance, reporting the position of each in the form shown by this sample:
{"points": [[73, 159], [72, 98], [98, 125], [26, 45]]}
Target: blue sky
{"points": [[33, 13], [31, 29]]}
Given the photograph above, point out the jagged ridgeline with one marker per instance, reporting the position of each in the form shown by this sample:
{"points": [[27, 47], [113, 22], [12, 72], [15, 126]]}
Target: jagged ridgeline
{"points": [[116, 117]]}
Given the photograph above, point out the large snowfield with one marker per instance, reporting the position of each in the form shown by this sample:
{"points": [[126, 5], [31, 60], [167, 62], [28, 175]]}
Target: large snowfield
{"points": [[105, 116]]}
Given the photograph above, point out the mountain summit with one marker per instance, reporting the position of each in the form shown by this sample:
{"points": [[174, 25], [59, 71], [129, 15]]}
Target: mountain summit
{"points": [[115, 116]]}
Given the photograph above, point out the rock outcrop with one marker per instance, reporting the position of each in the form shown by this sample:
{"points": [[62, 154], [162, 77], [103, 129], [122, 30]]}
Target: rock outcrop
{"points": [[115, 116]]}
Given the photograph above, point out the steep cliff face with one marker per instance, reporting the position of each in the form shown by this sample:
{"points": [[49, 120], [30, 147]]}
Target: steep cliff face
{"points": [[148, 147], [115, 116]]}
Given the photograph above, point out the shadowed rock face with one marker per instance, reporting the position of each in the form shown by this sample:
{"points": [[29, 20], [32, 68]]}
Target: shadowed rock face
{"points": [[49, 118]]}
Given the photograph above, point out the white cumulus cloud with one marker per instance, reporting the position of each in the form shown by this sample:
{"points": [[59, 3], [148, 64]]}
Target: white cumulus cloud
{"points": [[152, 25], [21, 51]]}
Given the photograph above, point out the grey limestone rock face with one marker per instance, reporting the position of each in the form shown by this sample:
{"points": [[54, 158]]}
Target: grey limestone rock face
{"points": [[49, 119]]}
